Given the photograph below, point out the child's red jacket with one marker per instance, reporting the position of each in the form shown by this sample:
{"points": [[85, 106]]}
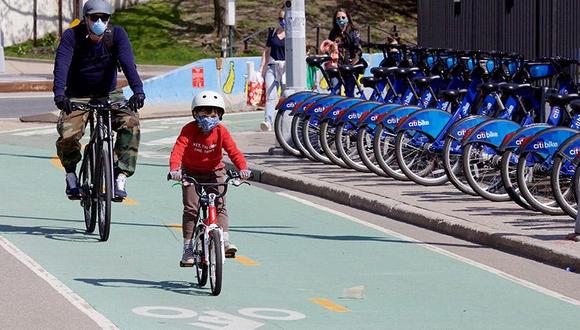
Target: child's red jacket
{"points": [[199, 153]]}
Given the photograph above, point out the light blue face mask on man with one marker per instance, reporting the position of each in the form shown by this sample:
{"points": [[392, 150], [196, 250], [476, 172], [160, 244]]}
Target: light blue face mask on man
{"points": [[98, 27], [207, 123]]}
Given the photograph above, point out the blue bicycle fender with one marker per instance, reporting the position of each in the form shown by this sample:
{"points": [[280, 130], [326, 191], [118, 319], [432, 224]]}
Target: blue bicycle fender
{"points": [[300, 107], [491, 132], [429, 121], [373, 117], [515, 139], [570, 149], [355, 112], [321, 104], [290, 102], [391, 119], [546, 142], [332, 112], [458, 130]]}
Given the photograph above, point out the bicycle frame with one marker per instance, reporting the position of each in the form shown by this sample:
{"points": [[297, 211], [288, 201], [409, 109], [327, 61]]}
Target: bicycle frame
{"points": [[206, 223]]}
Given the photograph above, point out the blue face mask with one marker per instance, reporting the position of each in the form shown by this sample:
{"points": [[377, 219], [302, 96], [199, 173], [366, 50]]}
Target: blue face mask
{"points": [[342, 22], [98, 27], [207, 123], [282, 22]]}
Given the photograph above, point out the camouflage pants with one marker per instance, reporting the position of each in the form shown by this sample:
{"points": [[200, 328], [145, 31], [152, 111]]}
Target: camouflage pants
{"points": [[71, 129]]}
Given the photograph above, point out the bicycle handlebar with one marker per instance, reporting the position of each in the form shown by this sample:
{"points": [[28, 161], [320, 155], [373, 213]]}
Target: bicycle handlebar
{"points": [[100, 104], [232, 176]]}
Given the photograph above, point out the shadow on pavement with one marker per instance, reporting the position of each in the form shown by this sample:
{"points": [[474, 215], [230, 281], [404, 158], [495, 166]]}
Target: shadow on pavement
{"points": [[181, 287], [240, 229], [55, 233]]}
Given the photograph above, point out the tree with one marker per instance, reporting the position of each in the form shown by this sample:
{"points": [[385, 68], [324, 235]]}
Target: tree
{"points": [[218, 17]]}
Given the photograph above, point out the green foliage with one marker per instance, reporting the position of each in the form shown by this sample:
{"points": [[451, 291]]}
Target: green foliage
{"points": [[177, 32]]}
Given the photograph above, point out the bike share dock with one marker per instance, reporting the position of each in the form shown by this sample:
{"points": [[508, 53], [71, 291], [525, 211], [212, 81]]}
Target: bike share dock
{"points": [[501, 225]]}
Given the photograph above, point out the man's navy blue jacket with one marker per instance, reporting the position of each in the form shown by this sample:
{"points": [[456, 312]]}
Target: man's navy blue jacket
{"points": [[83, 68]]}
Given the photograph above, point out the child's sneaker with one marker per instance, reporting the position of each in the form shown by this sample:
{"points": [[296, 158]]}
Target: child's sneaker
{"points": [[72, 189], [187, 260], [230, 249]]}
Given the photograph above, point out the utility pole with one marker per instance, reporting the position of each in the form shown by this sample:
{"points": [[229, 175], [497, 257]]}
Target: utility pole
{"points": [[295, 46], [230, 23], [34, 17]]}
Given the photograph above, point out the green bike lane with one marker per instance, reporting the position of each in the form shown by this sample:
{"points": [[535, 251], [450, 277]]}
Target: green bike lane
{"points": [[302, 267]]}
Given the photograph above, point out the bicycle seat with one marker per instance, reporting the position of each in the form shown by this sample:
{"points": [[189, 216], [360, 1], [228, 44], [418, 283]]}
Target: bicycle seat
{"points": [[332, 72], [350, 69], [512, 88], [406, 72], [317, 60], [369, 81], [561, 100], [487, 88], [575, 106], [424, 81], [382, 72], [451, 95]]}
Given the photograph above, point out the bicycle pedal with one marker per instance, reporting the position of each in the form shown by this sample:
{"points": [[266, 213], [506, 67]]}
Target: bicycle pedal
{"points": [[181, 264]]}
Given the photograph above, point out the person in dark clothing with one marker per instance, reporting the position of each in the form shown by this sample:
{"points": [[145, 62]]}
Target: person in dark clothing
{"points": [[273, 69], [347, 38], [85, 66]]}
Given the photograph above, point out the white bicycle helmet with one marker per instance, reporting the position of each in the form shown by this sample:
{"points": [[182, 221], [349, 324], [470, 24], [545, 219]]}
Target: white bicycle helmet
{"points": [[209, 99]]}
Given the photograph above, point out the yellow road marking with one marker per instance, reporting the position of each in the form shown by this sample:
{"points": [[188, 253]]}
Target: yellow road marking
{"points": [[56, 162], [246, 261], [129, 201], [174, 226], [329, 304]]}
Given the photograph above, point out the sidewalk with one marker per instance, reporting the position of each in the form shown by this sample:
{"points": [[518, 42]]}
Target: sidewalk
{"points": [[27, 75], [444, 209]]}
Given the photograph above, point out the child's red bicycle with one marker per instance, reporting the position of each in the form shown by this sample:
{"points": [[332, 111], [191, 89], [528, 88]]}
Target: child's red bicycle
{"points": [[208, 242]]}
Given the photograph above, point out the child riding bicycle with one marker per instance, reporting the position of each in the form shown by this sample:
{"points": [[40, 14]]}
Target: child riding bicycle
{"points": [[198, 153]]}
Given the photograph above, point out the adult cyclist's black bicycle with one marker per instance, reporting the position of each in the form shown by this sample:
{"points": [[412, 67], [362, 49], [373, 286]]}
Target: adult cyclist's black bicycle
{"points": [[96, 173]]}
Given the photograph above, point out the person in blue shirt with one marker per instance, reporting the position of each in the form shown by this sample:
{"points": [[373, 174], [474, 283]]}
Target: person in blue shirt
{"points": [[273, 69], [86, 65]]}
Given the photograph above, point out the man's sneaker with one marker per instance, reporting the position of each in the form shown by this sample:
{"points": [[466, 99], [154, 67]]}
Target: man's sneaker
{"points": [[72, 188], [230, 249], [120, 192], [265, 126], [187, 259]]}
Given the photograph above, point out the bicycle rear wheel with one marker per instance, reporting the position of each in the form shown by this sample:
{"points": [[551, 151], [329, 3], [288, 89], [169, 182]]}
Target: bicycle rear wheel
{"points": [[481, 167], [104, 190], [534, 183], [346, 140], [216, 262], [87, 191], [281, 136], [383, 146], [563, 185], [199, 255]]}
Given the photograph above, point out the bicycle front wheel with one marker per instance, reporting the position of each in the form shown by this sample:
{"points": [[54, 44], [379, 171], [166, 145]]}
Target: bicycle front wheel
{"points": [[104, 189], [364, 144], [346, 140], [383, 147], [86, 177], [216, 262], [199, 257], [417, 161]]}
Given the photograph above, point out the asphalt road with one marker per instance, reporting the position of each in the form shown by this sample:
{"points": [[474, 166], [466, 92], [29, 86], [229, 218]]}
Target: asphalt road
{"points": [[14, 105]]}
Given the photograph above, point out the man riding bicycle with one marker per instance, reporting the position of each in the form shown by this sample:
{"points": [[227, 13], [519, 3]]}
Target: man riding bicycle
{"points": [[85, 66]]}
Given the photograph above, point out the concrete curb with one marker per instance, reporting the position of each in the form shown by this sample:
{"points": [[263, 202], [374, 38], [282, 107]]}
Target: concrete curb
{"points": [[457, 227]]}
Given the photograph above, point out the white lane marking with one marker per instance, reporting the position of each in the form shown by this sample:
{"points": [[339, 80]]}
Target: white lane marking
{"points": [[492, 270], [149, 130], [160, 142], [46, 131], [60, 287], [29, 129]]}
